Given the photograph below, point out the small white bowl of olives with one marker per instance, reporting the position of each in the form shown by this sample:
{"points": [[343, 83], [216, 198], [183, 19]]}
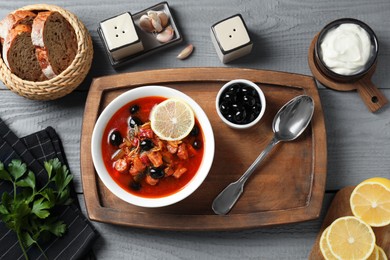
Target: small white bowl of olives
{"points": [[240, 104]]}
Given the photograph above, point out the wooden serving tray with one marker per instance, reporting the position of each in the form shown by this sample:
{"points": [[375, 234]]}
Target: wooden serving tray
{"points": [[339, 208], [288, 186]]}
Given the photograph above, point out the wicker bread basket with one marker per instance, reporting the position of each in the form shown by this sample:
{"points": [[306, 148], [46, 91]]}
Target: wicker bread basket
{"points": [[63, 83]]}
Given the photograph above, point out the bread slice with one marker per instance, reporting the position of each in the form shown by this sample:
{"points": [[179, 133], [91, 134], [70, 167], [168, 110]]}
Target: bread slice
{"points": [[13, 19], [55, 42], [19, 54]]}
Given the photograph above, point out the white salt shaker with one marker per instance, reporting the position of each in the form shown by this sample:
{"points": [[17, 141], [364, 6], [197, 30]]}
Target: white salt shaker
{"points": [[231, 38], [121, 36]]}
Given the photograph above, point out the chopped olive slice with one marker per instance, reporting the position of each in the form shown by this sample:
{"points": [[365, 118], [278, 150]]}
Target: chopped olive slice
{"points": [[146, 144], [133, 121], [115, 138], [134, 109], [156, 173], [197, 144], [194, 131]]}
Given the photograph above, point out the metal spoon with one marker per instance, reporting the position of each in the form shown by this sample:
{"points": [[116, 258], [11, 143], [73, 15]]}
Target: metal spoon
{"points": [[290, 121]]}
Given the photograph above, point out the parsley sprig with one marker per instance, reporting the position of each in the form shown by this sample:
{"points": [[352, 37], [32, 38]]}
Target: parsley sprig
{"points": [[28, 209]]}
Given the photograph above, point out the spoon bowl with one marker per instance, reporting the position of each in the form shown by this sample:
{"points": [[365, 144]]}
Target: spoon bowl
{"points": [[289, 123], [293, 118]]}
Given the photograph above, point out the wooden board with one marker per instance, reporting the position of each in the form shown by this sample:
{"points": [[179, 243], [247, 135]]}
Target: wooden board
{"points": [[339, 208], [287, 187]]}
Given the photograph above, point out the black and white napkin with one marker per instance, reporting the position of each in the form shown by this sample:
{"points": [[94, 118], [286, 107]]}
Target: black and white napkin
{"points": [[33, 150]]}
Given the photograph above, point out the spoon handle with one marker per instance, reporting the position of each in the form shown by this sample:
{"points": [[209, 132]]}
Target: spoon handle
{"points": [[225, 201], [258, 160]]}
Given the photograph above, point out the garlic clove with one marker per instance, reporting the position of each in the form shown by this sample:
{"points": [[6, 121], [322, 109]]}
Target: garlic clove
{"points": [[166, 35], [151, 12], [185, 52], [164, 19], [146, 24], [156, 22]]}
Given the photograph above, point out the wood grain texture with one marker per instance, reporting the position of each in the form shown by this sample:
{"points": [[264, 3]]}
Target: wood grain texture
{"points": [[292, 241], [358, 141]]}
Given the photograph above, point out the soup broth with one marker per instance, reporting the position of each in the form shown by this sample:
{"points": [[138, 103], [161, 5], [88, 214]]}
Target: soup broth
{"points": [[139, 161]]}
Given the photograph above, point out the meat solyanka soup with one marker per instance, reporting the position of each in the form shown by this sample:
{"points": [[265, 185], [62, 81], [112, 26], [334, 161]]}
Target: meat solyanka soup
{"points": [[141, 162]]}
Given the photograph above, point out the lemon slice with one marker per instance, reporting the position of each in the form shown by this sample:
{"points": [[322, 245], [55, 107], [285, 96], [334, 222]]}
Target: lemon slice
{"points": [[350, 238], [172, 119], [375, 254], [326, 253], [382, 254], [370, 201]]}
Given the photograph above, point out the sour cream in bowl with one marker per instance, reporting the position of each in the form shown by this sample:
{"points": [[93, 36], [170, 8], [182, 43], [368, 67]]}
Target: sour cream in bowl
{"points": [[346, 49]]}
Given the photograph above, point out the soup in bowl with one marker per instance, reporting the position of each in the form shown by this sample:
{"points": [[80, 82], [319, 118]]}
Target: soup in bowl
{"points": [[141, 164]]}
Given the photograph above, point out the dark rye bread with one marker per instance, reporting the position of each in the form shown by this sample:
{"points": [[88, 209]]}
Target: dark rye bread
{"points": [[19, 54], [55, 42], [13, 19]]}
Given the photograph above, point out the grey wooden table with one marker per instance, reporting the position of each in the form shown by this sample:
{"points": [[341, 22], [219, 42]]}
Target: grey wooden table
{"points": [[358, 141]]}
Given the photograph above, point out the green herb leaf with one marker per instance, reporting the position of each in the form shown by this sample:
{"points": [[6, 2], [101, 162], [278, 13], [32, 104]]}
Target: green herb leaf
{"points": [[28, 181], [17, 169], [27, 239], [4, 175], [5, 207], [40, 208], [48, 194], [20, 210], [51, 165], [48, 168], [56, 227], [3, 210], [63, 197], [62, 178]]}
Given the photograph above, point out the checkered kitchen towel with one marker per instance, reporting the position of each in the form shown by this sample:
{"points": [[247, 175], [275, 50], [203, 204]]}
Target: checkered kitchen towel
{"points": [[34, 149]]}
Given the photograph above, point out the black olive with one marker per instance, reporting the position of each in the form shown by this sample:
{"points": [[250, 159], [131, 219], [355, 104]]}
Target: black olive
{"points": [[146, 144], [194, 131], [134, 109], [256, 108], [228, 97], [156, 173], [135, 185], [224, 108], [230, 89], [249, 100], [197, 144], [234, 89], [133, 121], [229, 117], [235, 106], [239, 116], [115, 138]]}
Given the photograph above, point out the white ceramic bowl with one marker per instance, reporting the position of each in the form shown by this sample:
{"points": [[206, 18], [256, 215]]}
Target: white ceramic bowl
{"points": [[262, 101], [122, 100]]}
